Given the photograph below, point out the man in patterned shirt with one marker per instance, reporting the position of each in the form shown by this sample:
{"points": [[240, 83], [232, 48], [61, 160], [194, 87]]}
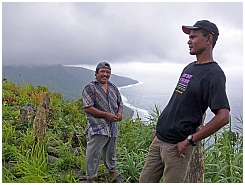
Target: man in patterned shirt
{"points": [[103, 105]]}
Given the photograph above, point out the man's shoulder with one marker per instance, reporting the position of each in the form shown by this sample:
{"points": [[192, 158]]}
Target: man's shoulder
{"points": [[92, 83], [217, 69], [109, 82], [112, 84], [188, 66]]}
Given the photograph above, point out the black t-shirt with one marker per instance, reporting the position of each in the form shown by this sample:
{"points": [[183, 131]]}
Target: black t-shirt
{"points": [[200, 86]]}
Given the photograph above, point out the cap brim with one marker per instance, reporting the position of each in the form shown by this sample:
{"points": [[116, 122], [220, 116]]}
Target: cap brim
{"points": [[187, 29]]}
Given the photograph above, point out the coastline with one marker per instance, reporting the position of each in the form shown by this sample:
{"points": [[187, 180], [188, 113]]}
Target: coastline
{"points": [[133, 112], [142, 99]]}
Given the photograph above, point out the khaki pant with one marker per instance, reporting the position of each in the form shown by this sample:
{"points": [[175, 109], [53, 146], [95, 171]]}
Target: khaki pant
{"points": [[163, 161]]}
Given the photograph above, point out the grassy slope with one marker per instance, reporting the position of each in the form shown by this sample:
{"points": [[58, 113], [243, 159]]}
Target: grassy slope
{"points": [[25, 158]]}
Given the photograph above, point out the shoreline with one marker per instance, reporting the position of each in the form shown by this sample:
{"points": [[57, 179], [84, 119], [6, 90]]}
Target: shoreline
{"points": [[143, 114], [137, 112]]}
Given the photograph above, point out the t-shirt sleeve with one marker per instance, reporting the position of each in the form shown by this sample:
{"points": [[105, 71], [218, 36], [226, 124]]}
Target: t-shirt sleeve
{"points": [[217, 95], [88, 96]]}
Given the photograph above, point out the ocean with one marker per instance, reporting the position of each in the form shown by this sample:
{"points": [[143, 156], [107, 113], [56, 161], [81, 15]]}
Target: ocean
{"points": [[156, 90]]}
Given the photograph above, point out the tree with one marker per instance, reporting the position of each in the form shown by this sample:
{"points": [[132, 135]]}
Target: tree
{"points": [[195, 173]]}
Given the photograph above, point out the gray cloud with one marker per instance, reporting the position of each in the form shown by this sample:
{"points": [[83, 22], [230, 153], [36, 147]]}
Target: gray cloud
{"points": [[85, 33]]}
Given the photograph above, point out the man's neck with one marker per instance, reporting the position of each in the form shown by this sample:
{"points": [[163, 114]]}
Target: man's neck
{"points": [[205, 57], [204, 62]]}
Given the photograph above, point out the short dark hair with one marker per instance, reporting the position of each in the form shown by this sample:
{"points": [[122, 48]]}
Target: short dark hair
{"points": [[206, 33]]}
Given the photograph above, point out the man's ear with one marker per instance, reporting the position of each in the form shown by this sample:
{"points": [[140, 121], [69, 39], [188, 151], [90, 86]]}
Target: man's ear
{"points": [[210, 39]]}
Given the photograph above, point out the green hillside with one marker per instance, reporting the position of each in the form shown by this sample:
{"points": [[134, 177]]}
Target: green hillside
{"points": [[68, 80], [60, 158]]}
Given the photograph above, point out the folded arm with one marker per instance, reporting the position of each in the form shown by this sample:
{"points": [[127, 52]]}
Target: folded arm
{"points": [[102, 114]]}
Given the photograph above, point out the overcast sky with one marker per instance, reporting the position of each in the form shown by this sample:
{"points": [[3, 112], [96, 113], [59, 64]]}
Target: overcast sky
{"points": [[87, 33]]}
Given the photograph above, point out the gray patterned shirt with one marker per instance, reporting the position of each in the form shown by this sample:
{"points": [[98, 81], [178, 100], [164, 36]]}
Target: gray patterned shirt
{"points": [[94, 95]]}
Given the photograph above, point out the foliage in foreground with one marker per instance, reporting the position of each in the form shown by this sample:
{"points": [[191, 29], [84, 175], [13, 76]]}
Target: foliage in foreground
{"points": [[224, 156], [25, 159]]}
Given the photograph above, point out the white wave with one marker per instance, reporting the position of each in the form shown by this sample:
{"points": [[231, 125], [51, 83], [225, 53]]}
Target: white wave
{"points": [[127, 86], [138, 112]]}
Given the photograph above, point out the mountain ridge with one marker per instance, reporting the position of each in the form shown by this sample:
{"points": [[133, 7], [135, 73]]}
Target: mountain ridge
{"points": [[70, 81]]}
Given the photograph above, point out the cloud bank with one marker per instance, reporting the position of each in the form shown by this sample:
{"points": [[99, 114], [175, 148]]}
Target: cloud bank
{"points": [[86, 33]]}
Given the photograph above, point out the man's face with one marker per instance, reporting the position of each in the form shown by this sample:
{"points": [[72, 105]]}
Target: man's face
{"points": [[103, 75], [197, 42]]}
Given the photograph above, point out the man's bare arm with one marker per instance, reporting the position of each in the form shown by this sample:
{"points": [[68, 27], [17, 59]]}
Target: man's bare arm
{"points": [[101, 114]]}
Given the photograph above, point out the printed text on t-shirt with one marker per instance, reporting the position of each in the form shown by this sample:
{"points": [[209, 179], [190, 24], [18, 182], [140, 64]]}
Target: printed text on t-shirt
{"points": [[183, 82]]}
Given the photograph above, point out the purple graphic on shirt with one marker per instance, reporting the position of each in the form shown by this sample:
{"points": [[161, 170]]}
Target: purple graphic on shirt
{"points": [[183, 82]]}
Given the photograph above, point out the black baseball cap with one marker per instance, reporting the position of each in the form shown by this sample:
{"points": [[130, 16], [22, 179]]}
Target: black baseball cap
{"points": [[203, 24], [103, 65]]}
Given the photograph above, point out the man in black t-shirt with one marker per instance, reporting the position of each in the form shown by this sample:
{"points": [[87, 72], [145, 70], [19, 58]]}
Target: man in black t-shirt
{"points": [[201, 85]]}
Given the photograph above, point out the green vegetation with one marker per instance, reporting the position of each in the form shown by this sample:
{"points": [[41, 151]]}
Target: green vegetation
{"points": [[223, 159], [25, 159], [58, 78]]}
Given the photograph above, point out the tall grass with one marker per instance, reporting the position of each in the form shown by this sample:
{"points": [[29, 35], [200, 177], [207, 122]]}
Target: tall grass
{"points": [[224, 156], [130, 163], [30, 165], [25, 159]]}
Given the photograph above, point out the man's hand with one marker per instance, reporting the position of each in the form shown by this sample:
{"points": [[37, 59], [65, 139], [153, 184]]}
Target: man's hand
{"points": [[101, 114], [181, 148], [119, 115], [112, 117]]}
